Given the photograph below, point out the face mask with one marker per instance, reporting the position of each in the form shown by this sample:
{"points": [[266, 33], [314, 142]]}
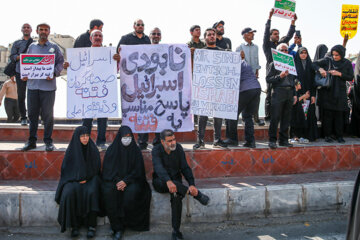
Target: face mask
{"points": [[126, 141]]}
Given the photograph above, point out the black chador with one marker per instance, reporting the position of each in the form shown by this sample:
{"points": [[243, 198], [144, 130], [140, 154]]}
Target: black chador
{"points": [[126, 192], [306, 76], [78, 191], [353, 229]]}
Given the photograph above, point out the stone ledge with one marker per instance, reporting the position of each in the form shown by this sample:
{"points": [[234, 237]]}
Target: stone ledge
{"points": [[28, 207]]}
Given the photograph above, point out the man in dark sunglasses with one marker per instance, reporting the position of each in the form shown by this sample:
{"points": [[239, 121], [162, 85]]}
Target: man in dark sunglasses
{"points": [[283, 97], [155, 36], [137, 36]]}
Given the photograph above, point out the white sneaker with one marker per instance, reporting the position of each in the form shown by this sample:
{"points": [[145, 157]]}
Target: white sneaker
{"points": [[303, 140], [293, 140]]}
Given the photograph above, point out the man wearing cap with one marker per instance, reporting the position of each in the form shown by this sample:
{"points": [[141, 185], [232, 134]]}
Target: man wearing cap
{"points": [[251, 53], [41, 92], [222, 42], [135, 38], [271, 40]]}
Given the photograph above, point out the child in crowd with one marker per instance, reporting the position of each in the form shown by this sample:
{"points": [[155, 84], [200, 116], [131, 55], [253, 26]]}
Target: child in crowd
{"points": [[298, 116]]}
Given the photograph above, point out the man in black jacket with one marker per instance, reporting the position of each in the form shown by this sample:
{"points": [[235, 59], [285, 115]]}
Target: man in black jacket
{"points": [[170, 164], [135, 38], [271, 40], [221, 42], [84, 39], [20, 46], [282, 99]]}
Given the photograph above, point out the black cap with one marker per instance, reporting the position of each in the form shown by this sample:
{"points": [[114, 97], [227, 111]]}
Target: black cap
{"points": [[217, 23], [193, 27], [247, 30]]}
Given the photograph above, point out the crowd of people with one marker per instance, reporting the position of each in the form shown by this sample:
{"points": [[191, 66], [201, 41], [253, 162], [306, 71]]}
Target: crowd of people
{"points": [[119, 188]]}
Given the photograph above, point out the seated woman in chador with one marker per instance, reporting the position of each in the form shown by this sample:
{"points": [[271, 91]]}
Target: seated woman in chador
{"points": [[125, 191], [78, 192]]}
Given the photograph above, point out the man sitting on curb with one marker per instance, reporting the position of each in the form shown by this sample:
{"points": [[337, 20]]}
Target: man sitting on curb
{"points": [[169, 164]]}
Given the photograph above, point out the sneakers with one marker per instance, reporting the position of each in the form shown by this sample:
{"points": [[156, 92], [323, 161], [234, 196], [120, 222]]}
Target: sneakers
{"points": [[49, 147], [91, 233], [102, 147], [24, 122], [202, 198], [230, 142], [294, 140], [199, 145], [219, 144], [303, 140], [272, 145], [28, 146]]}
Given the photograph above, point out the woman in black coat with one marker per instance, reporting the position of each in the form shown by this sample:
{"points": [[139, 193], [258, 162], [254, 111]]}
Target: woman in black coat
{"points": [[126, 193], [333, 100], [78, 191], [355, 100], [306, 76]]}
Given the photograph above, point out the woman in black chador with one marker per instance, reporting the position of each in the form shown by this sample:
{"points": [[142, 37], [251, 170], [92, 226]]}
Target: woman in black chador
{"points": [[126, 192], [353, 228], [306, 76], [78, 192], [355, 99], [333, 100]]}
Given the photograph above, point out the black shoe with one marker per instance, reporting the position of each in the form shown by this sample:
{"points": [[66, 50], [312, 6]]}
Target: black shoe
{"points": [[285, 144], [49, 147], [75, 233], [143, 146], [24, 122], [261, 122], [219, 144], [176, 234], [340, 140], [91, 232], [28, 146], [249, 145], [202, 198], [230, 142], [328, 139], [199, 145], [272, 145], [117, 236]]}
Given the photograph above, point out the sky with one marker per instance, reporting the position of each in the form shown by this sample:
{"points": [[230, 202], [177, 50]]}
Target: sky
{"points": [[318, 20]]}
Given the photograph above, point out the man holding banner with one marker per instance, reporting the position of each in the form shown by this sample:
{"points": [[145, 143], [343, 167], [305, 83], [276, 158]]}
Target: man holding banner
{"points": [[41, 85], [210, 40], [282, 97], [96, 38], [271, 40]]}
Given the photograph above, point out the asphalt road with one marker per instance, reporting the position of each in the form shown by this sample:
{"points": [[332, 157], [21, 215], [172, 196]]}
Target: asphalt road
{"points": [[312, 227]]}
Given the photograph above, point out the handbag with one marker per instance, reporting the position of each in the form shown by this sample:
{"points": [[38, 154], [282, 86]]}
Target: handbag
{"points": [[323, 82], [10, 69]]}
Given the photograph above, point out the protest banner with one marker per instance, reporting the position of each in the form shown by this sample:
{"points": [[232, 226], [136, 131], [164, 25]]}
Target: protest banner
{"points": [[216, 83], [92, 88], [156, 87], [37, 66], [349, 20], [285, 8], [283, 62]]}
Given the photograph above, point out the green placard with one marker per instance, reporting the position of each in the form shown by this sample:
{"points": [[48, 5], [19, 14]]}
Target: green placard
{"points": [[285, 4]]}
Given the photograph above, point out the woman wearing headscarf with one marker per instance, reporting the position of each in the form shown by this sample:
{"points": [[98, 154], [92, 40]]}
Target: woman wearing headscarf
{"points": [[78, 191], [306, 77], [126, 192], [320, 52], [333, 100], [355, 99]]}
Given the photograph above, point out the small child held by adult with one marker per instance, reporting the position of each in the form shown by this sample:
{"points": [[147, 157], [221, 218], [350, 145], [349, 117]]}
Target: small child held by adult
{"points": [[298, 116], [9, 90]]}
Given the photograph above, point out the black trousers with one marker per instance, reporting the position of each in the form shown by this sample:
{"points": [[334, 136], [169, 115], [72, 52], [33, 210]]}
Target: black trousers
{"points": [[333, 121], [143, 138], [12, 110], [21, 91], [101, 129], [44, 100], [202, 127], [248, 106], [281, 103], [268, 102], [175, 199]]}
